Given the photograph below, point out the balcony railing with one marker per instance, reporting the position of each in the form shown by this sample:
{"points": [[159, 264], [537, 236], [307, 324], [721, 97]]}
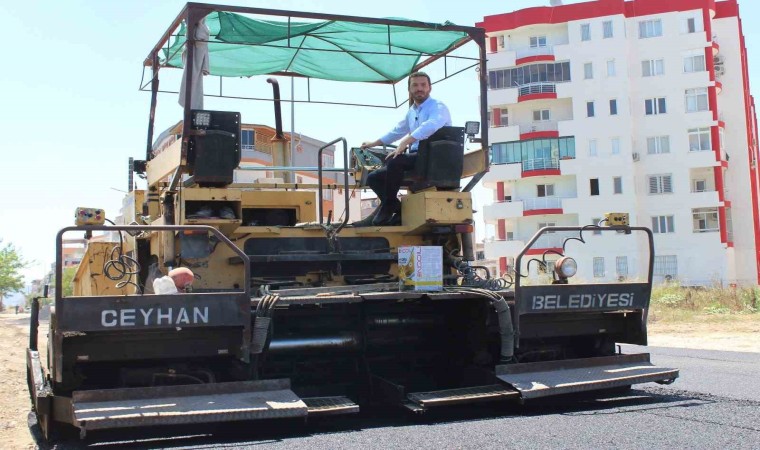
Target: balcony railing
{"points": [[540, 164], [550, 125], [537, 88], [525, 52], [530, 204], [552, 240]]}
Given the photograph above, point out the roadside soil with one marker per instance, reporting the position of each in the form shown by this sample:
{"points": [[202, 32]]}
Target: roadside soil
{"points": [[734, 333]]}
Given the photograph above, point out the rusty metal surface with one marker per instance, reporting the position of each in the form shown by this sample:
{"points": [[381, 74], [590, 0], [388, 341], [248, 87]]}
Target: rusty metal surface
{"points": [[463, 395], [542, 379], [325, 406], [119, 408]]}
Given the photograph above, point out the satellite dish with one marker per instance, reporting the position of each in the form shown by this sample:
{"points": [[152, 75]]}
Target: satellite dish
{"points": [[555, 2]]}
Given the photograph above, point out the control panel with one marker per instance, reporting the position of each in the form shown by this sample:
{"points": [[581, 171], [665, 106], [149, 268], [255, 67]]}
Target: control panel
{"points": [[365, 160], [89, 216], [617, 219]]}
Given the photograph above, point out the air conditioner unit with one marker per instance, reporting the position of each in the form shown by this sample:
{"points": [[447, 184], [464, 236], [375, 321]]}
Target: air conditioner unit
{"points": [[635, 156], [718, 59], [720, 70]]}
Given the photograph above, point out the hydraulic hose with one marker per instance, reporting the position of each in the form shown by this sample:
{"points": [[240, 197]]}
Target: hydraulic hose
{"points": [[504, 316]]}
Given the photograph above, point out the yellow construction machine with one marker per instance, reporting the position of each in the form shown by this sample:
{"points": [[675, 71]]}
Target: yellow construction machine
{"points": [[294, 313]]}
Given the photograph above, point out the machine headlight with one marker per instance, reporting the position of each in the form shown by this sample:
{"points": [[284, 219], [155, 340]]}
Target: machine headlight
{"points": [[471, 128], [565, 267], [202, 119]]}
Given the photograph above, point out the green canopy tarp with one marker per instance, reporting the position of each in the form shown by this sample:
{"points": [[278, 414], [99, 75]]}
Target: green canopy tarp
{"points": [[331, 50]]}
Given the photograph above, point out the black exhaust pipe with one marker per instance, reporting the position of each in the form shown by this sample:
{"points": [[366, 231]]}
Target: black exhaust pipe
{"points": [[277, 107]]}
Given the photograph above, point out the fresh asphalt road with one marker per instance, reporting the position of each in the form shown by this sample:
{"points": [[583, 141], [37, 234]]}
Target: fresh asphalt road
{"points": [[714, 404]]}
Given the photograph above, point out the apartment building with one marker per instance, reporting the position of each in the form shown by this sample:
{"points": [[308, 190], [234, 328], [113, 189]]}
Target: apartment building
{"points": [[639, 106]]}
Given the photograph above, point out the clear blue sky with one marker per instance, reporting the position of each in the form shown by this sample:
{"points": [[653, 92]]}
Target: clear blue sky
{"points": [[71, 113]]}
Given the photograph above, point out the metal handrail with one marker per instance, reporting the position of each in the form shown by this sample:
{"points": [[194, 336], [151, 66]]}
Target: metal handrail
{"points": [[541, 87], [524, 52], [542, 203], [549, 125], [345, 180], [540, 164]]}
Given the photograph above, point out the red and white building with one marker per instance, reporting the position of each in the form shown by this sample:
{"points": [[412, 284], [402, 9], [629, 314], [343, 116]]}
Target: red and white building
{"points": [[639, 106]]}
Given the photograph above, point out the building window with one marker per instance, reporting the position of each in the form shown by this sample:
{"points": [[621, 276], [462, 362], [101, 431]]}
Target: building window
{"points": [[695, 63], [621, 266], [613, 107], [617, 185], [527, 74], [537, 41], [650, 28], [595, 221], [652, 67], [598, 267], [299, 180], [665, 266], [588, 71], [692, 25], [699, 139], [541, 115], [705, 220], [589, 109], [663, 224], [545, 190], [658, 144], [328, 160], [611, 68], [660, 184], [607, 29], [654, 106], [247, 139], [696, 100], [594, 186], [547, 224], [327, 194], [504, 117], [615, 146], [510, 235], [585, 32], [700, 186], [592, 150], [721, 136], [545, 149]]}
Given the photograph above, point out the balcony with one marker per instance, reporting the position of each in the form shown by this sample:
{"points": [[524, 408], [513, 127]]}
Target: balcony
{"points": [[540, 167], [526, 55], [536, 91], [549, 241], [542, 204], [502, 210], [536, 130], [501, 172], [498, 248], [504, 133], [701, 158]]}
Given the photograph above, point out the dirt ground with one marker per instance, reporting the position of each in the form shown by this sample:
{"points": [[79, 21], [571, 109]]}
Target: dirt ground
{"points": [[736, 333]]}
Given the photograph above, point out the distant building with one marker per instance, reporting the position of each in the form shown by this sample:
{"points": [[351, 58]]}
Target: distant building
{"points": [[257, 147], [639, 106]]}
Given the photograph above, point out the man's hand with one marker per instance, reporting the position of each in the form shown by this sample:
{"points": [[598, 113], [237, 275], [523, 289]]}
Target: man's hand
{"points": [[369, 144], [403, 146]]}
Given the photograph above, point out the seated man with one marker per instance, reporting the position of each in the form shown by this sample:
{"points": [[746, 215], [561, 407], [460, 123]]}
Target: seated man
{"points": [[426, 116]]}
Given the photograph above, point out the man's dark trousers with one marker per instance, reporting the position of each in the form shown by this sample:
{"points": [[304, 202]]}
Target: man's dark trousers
{"points": [[386, 181]]}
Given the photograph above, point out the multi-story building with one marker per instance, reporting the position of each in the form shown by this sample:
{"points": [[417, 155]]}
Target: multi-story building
{"points": [[639, 106]]}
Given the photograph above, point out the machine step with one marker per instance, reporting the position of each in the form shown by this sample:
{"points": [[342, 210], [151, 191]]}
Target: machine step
{"points": [[326, 406], [187, 404], [542, 379], [462, 395]]}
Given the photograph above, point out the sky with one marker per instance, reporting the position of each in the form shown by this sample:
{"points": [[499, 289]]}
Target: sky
{"points": [[72, 114]]}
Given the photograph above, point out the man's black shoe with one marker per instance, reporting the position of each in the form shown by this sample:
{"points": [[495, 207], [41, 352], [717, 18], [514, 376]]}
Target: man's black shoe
{"points": [[386, 213], [367, 221]]}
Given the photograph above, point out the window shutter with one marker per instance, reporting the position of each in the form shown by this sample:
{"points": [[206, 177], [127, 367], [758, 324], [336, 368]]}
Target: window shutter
{"points": [[666, 184], [653, 185]]}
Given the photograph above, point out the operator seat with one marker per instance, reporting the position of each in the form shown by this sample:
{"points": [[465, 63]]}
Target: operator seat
{"points": [[440, 161]]}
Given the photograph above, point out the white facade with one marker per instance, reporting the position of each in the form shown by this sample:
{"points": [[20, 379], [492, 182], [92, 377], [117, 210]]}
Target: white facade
{"points": [[654, 120]]}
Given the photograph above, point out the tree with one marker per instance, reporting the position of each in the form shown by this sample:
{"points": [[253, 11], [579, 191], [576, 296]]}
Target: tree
{"points": [[11, 264]]}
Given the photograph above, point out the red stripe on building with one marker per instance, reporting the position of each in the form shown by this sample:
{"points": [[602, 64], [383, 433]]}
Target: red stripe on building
{"points": [[601, 8], [541, 173], [539, 135], [530, 59], [541, 212], [541, 96]]}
